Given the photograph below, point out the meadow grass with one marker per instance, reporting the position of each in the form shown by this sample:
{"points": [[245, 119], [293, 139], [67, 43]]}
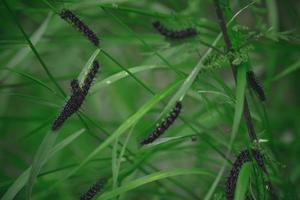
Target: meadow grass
{"points": [[143, 74]]}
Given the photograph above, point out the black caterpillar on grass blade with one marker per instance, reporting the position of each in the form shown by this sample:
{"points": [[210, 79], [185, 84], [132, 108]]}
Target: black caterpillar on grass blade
{"points": [[71, 18], [78, 95], [174, 34], [164, 125], [90, 77], [72, 105], [255, 85], [94, 189], [243, 157]]}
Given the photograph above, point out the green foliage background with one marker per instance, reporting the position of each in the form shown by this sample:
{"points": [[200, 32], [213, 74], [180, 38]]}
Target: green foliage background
{"points": [[184, 163]]}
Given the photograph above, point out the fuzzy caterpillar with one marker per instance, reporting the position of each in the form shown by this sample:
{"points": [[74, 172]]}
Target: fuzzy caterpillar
{"points": [[174, 34], [78, 95], [71, 18], [90, 77], [255, 85], [94, 189], [164, 125], [243, 157]]}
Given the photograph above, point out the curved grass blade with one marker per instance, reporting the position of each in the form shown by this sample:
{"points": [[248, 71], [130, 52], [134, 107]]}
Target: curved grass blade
{"points": [[85, 70], [120, 75], [116, 160], [37, 164], [180, 94], [21, 54], [243, 181], [28, 76], [287, 71], [50, 138], [15, 19], [240, 97], [151, 178], [124, 126], [24, 177]]}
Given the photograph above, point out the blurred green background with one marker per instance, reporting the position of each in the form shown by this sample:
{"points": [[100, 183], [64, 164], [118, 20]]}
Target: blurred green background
{"points": [[29, 101]]}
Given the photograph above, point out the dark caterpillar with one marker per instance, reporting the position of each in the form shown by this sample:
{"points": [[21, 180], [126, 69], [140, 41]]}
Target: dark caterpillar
{"points": [[71, 18], [255, 85], [90, 77], [78, 95], [163, 126], [243, 157], [174, 34], [94, 189]]}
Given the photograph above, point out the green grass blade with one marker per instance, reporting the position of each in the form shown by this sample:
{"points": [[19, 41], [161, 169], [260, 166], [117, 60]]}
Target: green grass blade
{"points": [[120, 75], [192, 76], [33, 48], [287, 71], [37, 164], [24, 177], [150, 178], [240, 96], [243, 181], [30, 77], [65, 142], [127, 71], [272, 14], [126, 125], [117, 19], [119, 159], [21, 54], [85, 70]]}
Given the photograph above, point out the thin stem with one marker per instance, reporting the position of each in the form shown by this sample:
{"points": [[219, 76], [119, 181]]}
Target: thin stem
{"points": [[246, 111], [33, 48]]}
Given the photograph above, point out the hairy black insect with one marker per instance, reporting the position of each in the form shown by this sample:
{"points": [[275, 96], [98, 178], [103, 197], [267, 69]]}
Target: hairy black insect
{"points": [[174, 34], [90, 77], [72, 105], [94, 189], [164, 125], [255, 85], [243, 157], [78, 95], [71, 18]]}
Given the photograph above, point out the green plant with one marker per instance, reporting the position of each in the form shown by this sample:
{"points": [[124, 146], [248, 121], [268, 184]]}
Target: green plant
{"points": [[143, 75]]}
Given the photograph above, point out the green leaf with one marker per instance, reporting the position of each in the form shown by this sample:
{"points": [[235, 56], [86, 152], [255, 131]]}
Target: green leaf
{"points": [[243, 181], [150, 178], [24, 177]]}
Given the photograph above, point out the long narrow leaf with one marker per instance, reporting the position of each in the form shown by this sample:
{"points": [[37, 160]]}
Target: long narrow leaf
{"points": [[24, 177]]}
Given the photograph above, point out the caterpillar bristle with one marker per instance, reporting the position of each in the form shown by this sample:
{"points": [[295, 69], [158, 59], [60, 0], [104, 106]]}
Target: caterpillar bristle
{"points": [[255, 85], [164, 125], [242, 158], [94, 189], [174, 34], [71, 18]]}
